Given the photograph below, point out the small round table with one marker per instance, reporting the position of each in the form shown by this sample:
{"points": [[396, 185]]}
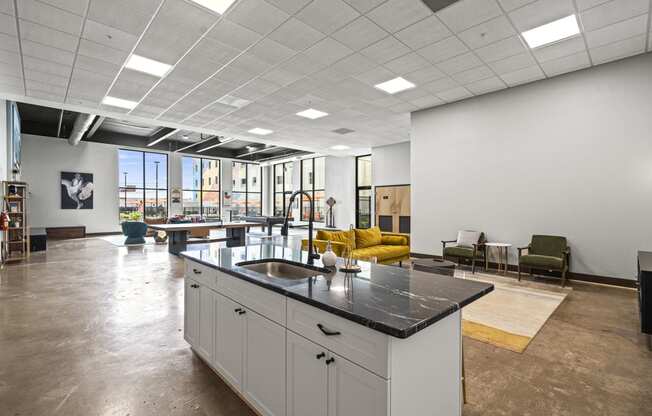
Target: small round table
{"points": [[503, 256]]}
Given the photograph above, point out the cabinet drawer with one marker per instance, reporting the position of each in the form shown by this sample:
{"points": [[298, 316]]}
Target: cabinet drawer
{"points": [[201, 274], [363, 346], [269, 304]]}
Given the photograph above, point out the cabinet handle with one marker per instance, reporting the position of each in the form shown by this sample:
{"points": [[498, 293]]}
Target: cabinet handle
{"points": [[194, 286], [321, 355], [237, 310], [330, 361], [196, 271], [242, 312], [327, 332]]}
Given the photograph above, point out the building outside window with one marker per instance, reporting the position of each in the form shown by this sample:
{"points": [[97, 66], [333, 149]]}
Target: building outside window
{"points": [[363, 193], [312, 182], [201, 186], [143, 179], [282, 187], [246, 199]]}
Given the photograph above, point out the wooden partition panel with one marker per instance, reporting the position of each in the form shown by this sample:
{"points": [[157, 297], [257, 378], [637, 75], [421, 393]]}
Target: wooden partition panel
{"points": [[393, 208]]}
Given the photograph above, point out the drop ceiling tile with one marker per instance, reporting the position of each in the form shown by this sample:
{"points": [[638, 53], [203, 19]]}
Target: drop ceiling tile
{"points": [[8, 24], [466, 13], [618, 31], [233, 34], [423, 33], [354, 64], [132, 85], [566, 64], [473, 75], [36, 50], [9, 57], [407, 63], [112, 13], [427, 101], [501, 49], [9, 84], [587, 4], [510, 5], [101, 52], [411, 94], [45, 87], [523, 76], [375, 76], [395, 15], [44, 95], [88, 84], [327, 15], [560, 49], [271, 52], [385, 50], [257, 15], [11, 69], [460, 63], [296, 35], [46, 78], [7, 7], [175, 29], [540, 12], [46, 36], [618, 50], [485, 86], [513, 63], [302, 64], [487, 32], [612, 12], [440, 85], [8, 43], [404, 108], [363, 6], [328, 51], [424, 75], [46, 66], [108, 36], [289, 6], [74, 6], [360, 33], [244, 68], [454, 94], [49, 16], [95, 65], [443, 50]]}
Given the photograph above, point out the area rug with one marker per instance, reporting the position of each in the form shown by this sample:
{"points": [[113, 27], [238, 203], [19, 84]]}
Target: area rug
{"points": [[511, 316], [119, 240]]}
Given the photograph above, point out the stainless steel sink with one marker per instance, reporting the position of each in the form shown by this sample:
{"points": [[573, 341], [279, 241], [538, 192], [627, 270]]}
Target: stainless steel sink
{"points": [[283, 269]]}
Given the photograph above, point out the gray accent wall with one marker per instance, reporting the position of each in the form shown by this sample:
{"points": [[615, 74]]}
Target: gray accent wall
{"points": [[568, 156]]}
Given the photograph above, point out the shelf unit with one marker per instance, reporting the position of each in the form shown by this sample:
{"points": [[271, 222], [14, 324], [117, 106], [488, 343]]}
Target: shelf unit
{"points": [[15, 240]]}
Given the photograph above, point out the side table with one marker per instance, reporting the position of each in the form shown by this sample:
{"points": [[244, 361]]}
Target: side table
{"points": [[503, 256]]}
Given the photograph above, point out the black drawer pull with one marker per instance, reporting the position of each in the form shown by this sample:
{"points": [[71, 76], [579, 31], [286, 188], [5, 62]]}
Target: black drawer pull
{"points": [[194, 286], [237, 310], [327, 332], [242, 312], [321, 355], [330, 361], [196, 271]]}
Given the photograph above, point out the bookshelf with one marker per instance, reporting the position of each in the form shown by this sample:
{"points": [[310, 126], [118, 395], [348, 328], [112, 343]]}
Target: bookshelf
{"points": [[15, 240]]}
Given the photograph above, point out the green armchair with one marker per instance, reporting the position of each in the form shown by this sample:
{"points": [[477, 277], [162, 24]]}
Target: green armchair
{"points": [[545, 252], [475, 252]]}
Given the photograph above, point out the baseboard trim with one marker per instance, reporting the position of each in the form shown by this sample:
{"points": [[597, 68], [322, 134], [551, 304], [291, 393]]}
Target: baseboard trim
{"points": [[582, 277]]}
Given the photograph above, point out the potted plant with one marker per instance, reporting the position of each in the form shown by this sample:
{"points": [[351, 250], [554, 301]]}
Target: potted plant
{"points": [[134, 228]]}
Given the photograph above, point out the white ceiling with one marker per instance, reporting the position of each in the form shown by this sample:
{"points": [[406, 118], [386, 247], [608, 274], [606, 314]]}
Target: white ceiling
{"points": [[265, 60]]}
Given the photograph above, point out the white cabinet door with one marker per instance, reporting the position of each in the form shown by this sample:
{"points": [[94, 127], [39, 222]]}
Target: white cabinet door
{"points": [[229, 351], [352, 390], [264, 364], [191, 312], [206, 322], [307, 377]]}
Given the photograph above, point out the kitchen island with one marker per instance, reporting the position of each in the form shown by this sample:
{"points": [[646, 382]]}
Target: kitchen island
{"points": [[385, 341]]}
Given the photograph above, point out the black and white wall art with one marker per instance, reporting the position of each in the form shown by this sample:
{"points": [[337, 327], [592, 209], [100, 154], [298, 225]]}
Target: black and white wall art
{"points": [[76, 190]]}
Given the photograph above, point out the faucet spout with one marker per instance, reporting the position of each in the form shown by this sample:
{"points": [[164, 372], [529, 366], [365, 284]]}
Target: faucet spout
{"points": [[312, 254]]}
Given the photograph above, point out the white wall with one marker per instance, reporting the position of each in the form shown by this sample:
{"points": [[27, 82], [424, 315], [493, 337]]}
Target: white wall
{"points": [[568, 156], [45, 158], [390, 165], [340, 184]]}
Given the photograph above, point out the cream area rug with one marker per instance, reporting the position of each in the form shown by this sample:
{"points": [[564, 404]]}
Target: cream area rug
{"points": [[119, 240], [512, 315]]}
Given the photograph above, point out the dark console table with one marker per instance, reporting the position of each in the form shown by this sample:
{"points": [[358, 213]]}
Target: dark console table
{"points": [[645, 293]]}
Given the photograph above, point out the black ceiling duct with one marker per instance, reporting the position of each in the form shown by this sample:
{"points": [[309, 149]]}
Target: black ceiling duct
{"points": [[437, 5]]}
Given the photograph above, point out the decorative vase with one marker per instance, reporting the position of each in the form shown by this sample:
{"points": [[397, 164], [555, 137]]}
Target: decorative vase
{"points": [[329, 258]]}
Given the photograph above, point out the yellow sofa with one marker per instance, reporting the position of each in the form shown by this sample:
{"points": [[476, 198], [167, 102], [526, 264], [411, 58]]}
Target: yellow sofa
{"points": [[386, 248]]}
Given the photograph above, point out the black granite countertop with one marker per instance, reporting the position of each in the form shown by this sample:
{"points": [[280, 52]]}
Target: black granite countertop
{"points": [[389, 299]]}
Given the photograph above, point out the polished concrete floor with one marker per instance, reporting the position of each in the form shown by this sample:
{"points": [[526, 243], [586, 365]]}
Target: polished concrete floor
{"points": [[94, 329]]}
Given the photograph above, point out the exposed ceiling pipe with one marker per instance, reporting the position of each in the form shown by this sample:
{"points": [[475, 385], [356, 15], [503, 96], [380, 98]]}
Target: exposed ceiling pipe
{"points": [[60, 121], [82, 122]]}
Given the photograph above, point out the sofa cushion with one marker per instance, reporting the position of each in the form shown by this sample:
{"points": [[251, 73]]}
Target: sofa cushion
{"points": [[543, 262], [467, 238], [367, 238], [393, 240], [381, 252], [347, 237], [465, 252]]}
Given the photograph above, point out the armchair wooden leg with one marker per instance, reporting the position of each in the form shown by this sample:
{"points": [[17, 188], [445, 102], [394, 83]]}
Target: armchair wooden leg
{"points": [[519, 272], [473, 266], [563, 278]]}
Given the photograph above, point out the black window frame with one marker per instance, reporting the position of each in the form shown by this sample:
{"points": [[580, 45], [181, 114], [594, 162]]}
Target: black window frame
{"points": [[145, 188], [284, 192], [311, 191], [201, 184], [359, 188], [246, 184]]}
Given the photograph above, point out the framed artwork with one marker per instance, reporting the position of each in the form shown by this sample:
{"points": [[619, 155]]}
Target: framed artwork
{"points": [[77, 190]]}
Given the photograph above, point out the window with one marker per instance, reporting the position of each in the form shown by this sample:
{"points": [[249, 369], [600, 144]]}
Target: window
{"points": [[312, 182], [363, 191], [201, 186], [143, 179], [247, 191], [282, 187]]}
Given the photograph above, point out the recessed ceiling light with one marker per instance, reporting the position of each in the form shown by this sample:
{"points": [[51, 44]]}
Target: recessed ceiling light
{"points": [[340, 147], [395, 85], [119, 102], [260, 132], [148, 66], [552, 32], [312, 114], [218, 6]]}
